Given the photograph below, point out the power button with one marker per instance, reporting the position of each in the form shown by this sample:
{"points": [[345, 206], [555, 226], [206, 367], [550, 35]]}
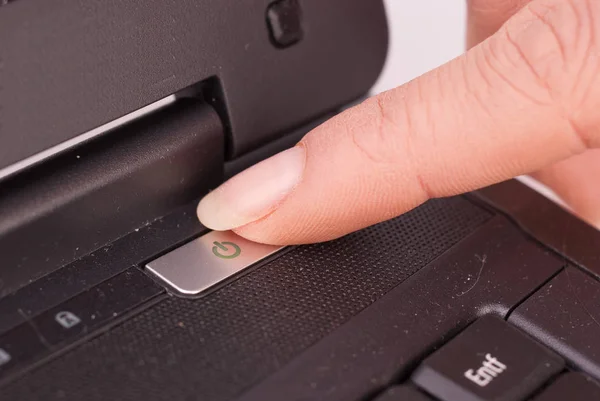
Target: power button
{"points": [[208, 260], [226, 250]]}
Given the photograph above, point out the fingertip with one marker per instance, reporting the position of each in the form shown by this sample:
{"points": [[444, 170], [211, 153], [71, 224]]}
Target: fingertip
{"points": [[211, 214], [254, 193]]}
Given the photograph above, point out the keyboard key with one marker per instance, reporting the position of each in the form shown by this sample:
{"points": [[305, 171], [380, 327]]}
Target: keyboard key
{"points": [[490, 360], [403, 393], [572, 387], [96, 307], [206, 261], [19, 347], [565, 315]]}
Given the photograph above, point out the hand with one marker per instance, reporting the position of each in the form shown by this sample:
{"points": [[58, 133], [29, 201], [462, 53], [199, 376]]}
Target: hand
{"points": [[525, 100]]}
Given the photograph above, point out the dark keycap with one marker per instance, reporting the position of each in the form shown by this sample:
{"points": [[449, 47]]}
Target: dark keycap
{"points": [[490, 360], [492, 270], [403, 393], [19, 347], [565, 315], [96, 307], [571, 387]]}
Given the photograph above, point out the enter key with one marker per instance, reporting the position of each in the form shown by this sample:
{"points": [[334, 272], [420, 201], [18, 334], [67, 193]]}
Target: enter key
{"points": [[489, 361]]}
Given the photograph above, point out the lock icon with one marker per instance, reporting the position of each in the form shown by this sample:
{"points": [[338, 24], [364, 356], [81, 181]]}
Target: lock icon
{"points": [[67, 319]]}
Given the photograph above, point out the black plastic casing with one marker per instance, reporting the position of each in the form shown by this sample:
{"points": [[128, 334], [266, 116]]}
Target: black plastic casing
{"points": [[68, 66], [89, 197]]}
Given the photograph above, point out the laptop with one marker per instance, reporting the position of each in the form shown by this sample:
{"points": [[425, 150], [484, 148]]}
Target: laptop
{"points": [[116, 117]]}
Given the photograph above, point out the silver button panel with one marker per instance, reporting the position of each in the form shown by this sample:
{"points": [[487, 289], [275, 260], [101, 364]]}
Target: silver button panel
{"points": [[208, 260]]}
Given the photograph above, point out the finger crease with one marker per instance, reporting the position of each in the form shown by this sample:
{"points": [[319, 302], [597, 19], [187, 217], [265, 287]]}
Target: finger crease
{"points": [[542, 83], [544, 20], [424, 186], [583, 140], [364, 150], [507, 80], [382, 118]]}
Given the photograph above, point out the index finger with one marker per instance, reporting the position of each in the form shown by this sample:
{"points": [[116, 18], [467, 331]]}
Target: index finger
{"points": [[523, 99]]}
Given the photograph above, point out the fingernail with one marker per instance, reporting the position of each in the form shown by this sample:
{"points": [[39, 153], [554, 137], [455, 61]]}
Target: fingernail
{"points": [[254, 193]]}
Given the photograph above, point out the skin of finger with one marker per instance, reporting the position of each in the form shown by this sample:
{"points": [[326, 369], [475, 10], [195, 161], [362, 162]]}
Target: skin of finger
{"points": [[583, 193], [485, 17], [575, 180], [501, 110], [570, 50]]}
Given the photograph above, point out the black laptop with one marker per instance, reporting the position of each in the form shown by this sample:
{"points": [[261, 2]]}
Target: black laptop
{"points": [[116, 116]]}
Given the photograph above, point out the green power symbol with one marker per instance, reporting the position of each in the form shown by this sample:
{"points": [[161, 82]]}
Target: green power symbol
{"points": [[223, 250]]}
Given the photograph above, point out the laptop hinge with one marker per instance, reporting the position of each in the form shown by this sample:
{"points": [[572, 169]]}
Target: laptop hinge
{"points": [[88, 197]]}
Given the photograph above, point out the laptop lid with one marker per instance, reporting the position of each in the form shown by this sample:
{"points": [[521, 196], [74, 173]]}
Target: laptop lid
{"points": [[70, 66]]}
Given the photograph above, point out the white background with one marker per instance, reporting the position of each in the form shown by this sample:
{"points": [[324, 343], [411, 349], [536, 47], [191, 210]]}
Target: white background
{"points": [[423, 35]]}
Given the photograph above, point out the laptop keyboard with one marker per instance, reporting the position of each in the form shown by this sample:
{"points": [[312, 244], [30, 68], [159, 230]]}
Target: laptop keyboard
{"points": [[493, 361], [424, 340]]}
